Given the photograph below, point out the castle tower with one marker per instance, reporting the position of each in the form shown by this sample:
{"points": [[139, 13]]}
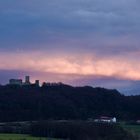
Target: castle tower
{"points": [[27, 79], [37, 82]]}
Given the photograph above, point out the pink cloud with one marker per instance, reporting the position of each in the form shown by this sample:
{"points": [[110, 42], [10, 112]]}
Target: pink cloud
{"points": [[124, 67]]}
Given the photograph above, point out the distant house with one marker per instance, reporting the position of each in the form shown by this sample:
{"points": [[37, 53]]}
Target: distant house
{"points": [[138, 121], [106, 119]]}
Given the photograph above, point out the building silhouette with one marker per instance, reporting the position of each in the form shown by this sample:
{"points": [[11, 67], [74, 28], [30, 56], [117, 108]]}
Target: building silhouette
{"points": [[15, 82], [21, 83], [27, 80], [37, 82]]}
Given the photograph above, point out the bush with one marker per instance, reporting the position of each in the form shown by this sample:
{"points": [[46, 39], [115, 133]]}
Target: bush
{"points": [[80, 130]]}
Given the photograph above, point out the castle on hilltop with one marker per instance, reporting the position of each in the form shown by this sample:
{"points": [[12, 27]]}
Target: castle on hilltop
{"points": [[20, 81]]}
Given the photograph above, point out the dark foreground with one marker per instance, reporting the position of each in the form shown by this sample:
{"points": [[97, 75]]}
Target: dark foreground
{"points": [[69, 130], [61, 101]]}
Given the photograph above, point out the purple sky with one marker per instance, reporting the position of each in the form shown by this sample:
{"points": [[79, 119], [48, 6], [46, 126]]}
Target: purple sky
{"points": [[80, 42]]}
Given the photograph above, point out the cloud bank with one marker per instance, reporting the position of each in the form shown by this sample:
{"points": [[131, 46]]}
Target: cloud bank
{"points": [[78, 37]]}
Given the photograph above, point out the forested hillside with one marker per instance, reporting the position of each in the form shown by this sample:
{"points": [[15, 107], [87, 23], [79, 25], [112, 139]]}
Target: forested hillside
{"points": [[65, 102]]}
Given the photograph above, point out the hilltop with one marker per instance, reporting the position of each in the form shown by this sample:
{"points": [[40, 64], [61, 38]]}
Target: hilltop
{"points": [[60, 101]]}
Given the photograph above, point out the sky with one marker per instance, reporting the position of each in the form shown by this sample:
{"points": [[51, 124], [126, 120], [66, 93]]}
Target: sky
{"points": [[79, 42]]}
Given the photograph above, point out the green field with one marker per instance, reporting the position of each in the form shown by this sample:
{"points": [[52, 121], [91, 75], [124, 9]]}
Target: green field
{"points": [[21, 137], [135, 129]]}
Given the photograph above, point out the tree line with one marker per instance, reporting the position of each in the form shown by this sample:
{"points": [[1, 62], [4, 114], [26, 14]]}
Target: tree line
{"points": [[64, 102]]}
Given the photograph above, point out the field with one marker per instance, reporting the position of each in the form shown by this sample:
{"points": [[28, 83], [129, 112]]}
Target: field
{"points": [[21, 137], [135, 129]]}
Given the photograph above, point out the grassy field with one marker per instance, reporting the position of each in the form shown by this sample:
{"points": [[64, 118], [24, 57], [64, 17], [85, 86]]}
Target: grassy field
{"points": [[21, 137], [135, 129]]}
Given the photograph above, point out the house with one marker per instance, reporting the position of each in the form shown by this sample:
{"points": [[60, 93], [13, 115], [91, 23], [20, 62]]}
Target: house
{"points": [[138, 121], [106, 119]]}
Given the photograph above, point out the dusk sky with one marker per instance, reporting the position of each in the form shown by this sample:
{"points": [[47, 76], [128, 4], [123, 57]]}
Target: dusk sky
{"points": [[79, 42]]}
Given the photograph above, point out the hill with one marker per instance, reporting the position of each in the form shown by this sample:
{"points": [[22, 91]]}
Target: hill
{"points": [[60, 101]]}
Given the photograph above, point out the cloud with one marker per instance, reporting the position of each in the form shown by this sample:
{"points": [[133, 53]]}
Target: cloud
{"points": [[127, 87], [84, 64], [78, 15], [70, 25], [92, 37]]}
